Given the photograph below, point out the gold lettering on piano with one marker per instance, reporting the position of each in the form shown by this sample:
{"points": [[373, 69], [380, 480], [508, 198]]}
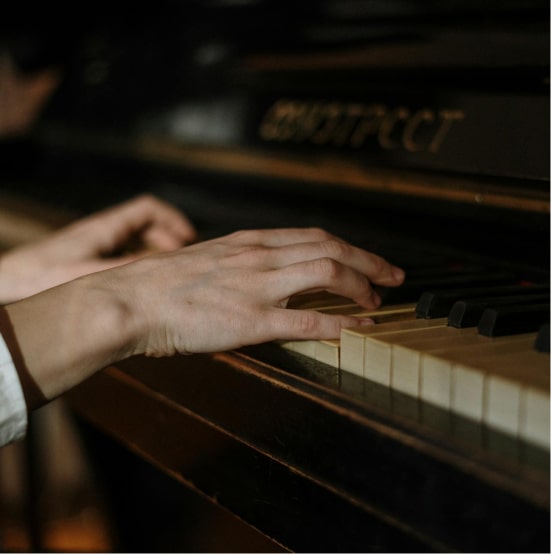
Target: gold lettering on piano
{"points": [[412, 126], [369, 123], [354, 124], [448, 118], [390, 125]]}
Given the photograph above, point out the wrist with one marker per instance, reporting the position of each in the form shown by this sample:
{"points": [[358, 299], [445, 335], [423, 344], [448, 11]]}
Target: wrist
{"points": [[20, 274], [9, 284], [69, 332], [117, 325]]}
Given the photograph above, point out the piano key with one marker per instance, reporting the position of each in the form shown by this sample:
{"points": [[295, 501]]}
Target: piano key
{"points": [[515, 390], [467, 392], [412, 289], [465, 313], [304, 347], [356, 309], [317, 300], [509, 320], [438, 303], [406, 370], [470, 386], [329, 351], [504, 395], [436, 367], [542, 340], [406, 358], [534, 423], [352, 341], [445, 269], [378, 348]]}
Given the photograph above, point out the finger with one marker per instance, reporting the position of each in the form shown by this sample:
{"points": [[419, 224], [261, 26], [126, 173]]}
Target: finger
{"points": [[322, 274], [283, 324], [158, 239], [298, 244], [376, 268], [115, 225], [147, 210], [281, 237]]}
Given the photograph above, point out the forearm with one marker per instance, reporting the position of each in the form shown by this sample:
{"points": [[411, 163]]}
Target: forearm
{"points": [[66, 334], [10, 283]]}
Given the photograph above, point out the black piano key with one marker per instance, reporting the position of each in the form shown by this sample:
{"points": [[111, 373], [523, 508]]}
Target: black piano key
{"points": [[444, 270], [513, 320], [440, 302], [542, 340], [412, 289], [467, 313]]}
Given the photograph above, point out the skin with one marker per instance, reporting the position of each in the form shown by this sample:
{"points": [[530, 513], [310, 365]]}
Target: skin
{"points": [[75, 304], [210, 296], [88, 245], [22, 97]]}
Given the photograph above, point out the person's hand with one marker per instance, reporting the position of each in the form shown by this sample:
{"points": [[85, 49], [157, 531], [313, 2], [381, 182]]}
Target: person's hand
{"points": [[92, 244], [208, 297], [233, 291]]}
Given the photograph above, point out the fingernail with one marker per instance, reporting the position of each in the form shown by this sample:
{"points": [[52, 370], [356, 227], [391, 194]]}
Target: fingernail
{"points": [[365, 321]]}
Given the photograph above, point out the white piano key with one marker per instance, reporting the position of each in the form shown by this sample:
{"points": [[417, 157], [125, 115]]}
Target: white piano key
{"points": [[352, 349], [378, 348], [406, 370], [502, 404], [406, 356], [436, 364], [327, 351], [515, 390], [467, 392], [534, 424]]}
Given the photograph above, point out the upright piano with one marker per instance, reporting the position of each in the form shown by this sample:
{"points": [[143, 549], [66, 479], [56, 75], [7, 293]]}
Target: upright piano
{"points": [[418, 130]]}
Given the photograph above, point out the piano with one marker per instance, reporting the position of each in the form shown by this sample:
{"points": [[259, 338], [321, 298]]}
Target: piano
{"points": [[418, 130]]}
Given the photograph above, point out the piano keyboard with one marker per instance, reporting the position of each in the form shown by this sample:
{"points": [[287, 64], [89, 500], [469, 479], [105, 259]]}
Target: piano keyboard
{"points": [[497, 379]]}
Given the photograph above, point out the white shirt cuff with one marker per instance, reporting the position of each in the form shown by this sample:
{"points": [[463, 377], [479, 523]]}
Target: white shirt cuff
{"points": [[13, 410]]}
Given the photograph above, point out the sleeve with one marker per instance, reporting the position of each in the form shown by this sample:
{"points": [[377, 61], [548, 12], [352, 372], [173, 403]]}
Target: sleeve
{"points": [[13, 409]]}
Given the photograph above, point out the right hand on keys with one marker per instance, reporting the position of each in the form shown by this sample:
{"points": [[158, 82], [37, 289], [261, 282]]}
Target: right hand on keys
{"points": [[232, 291]]}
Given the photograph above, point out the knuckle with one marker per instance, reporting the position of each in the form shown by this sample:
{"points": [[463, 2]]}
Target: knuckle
{"points": [[245, 256], [252, 254], [366, 290], [240, 236], [146, 198], [335, 249], [379, 265], [328, 268], [305, 323], [319, 234], [368, 296]]}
